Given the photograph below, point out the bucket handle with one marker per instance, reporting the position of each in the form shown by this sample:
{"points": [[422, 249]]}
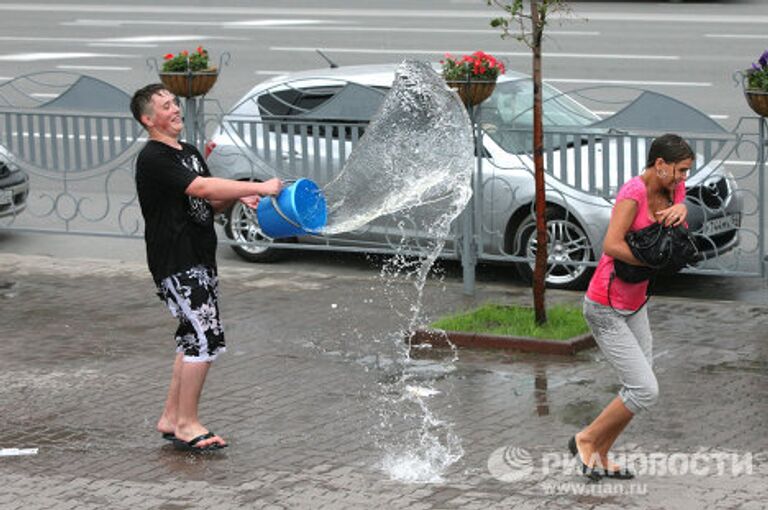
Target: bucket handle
{"points": [[283, 215]]}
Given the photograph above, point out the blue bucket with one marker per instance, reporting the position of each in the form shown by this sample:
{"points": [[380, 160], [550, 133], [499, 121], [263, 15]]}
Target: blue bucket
{"points": [[298, 210]]}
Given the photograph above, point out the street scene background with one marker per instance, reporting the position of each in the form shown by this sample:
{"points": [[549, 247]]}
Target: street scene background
{"points": [[294, 393]]}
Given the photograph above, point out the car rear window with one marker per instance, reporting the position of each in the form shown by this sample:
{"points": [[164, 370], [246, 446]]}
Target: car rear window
{"points": [[291, 102]]}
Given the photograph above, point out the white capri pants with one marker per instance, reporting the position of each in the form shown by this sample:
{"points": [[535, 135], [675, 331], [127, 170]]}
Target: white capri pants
{"points": [[627, 343]]}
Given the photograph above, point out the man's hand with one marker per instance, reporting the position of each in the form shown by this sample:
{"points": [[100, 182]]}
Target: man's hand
{"points": [[251, 201], [271, 187]]}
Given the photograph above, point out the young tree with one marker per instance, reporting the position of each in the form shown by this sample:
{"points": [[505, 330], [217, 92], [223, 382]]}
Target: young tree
{"points": [[529, 29]]}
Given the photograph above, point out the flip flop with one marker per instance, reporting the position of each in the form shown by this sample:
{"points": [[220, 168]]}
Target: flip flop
{"points": [[189, 446], [168, 436]]}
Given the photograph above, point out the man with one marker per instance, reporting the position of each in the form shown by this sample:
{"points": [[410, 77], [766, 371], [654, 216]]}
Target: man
{"points": [[178, 199]]}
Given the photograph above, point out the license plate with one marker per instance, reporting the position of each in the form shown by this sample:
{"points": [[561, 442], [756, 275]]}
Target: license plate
{"points": [[720, 225], [6, 197]]}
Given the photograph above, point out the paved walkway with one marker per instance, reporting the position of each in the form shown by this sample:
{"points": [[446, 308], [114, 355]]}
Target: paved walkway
{"points": [[308, 395]]}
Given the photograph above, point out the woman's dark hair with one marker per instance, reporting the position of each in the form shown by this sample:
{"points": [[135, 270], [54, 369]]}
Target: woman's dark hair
{"points": [[671, 148], [141, 99]]}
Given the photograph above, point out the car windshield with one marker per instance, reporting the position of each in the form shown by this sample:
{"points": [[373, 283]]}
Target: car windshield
{"points": [[507, 116]]}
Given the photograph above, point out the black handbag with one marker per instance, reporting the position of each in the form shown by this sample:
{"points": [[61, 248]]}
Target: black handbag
{"points": [[660, 248], [667, 249]]}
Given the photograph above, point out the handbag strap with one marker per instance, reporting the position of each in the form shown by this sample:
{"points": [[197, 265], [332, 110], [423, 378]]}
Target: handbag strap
{"points": [[627, 314]]}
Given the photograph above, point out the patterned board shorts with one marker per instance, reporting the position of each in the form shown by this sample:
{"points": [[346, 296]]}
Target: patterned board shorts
{"points": [[192, 297]]}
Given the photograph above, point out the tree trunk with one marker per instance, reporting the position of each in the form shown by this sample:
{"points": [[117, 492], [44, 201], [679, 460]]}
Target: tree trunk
{"points": [[540, 270]]}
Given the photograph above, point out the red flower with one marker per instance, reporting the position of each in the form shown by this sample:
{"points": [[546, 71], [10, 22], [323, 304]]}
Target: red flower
{"points": [[479, 64], [200, 50], [168, 56], [185, 53]]}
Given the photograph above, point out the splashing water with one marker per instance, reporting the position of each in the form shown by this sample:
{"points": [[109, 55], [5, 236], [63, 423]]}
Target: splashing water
{"points": [[424, 455], [417, 151], [414, 164]]}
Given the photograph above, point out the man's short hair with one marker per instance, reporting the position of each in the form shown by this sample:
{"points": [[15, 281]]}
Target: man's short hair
{"points": [[142, 98]]}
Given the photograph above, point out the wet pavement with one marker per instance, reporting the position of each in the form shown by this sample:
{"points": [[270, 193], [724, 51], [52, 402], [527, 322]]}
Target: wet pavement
{"points": [[305, 397]]}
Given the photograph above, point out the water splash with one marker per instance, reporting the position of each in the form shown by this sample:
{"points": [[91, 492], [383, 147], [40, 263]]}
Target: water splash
{"points": [[416, 152], [424, 454], [413, 166]]}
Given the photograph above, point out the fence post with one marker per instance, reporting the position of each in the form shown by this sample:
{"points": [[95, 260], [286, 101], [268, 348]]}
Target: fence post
{"points": [[194, 123], [468, 258], [762, 234], [469, 216]]}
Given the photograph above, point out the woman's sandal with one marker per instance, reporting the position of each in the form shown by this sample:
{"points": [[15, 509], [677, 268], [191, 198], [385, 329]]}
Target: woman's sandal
{"points": [[593, 474], [618, 474]]}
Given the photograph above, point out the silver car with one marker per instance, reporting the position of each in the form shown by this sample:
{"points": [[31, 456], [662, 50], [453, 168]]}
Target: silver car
{"points": [[14, 185], [306, 124]]}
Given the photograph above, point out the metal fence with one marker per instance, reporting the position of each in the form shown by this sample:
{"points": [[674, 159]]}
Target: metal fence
{"points": [[725, 197], [78, 146]]}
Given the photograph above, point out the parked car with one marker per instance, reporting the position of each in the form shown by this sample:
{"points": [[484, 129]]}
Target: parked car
{"points": [[14, 185], [305, 125]]}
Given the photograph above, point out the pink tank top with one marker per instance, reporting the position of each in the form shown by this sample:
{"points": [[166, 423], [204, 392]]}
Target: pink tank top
{"points": [[626, 296]]}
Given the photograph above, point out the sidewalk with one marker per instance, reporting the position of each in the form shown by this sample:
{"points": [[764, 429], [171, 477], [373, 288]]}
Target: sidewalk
{"points": [[301, 392]]}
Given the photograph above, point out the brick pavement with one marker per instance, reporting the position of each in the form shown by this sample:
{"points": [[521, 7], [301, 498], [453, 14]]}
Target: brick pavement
{"points": [[308, 380]]}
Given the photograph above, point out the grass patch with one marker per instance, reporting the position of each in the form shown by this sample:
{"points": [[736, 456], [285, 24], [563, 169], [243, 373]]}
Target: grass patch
{"points": [[563, 322]]}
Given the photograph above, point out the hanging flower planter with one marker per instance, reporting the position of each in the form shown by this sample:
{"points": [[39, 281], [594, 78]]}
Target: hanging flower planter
{"points": [[188, 74], [474, 92], [189, 84], [758, 101], [755, 83], [473, 76]]}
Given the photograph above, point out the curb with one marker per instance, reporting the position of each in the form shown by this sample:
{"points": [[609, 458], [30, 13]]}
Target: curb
{"points": [[438, 338]]}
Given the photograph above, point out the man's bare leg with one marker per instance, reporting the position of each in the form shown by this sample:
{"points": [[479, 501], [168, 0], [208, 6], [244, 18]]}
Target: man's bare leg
{"points": [[188, 425]]}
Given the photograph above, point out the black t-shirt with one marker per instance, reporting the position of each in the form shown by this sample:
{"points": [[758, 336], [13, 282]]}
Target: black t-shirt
{"points": [[178, 228]]}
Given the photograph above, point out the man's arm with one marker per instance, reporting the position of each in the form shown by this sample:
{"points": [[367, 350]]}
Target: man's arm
{"points": [[221, 205], [223, 192]]}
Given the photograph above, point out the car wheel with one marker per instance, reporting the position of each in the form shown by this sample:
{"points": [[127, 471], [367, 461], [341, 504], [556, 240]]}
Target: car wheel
{"points": [[242, 227], [568, 242]]}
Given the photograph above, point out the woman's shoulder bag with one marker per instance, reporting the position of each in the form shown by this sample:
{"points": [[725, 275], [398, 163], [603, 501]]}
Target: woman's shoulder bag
{"points": [[658, 247]]}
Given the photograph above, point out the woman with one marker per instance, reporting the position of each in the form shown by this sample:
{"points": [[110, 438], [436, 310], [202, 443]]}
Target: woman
{"points": [[619, 321]]}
